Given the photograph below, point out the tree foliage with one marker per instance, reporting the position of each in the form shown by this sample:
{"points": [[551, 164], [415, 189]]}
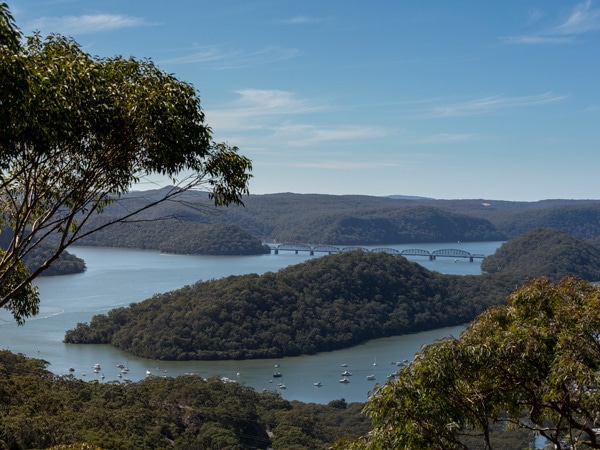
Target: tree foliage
{"points": [[78, 132], [533, 363]]}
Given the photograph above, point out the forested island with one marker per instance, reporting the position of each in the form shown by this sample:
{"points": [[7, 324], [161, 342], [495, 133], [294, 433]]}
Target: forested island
{"points": [[327, 303]]}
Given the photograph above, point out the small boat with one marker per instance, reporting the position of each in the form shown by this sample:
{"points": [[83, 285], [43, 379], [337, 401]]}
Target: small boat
{"points": [[277, 375], [96, 366], [346, 373], [344, 365], [148, 372], [71, 369], [370, 377], [282, 386], [276, 366], [344, 380], [318, 384], [102, 376], [120, 366]]}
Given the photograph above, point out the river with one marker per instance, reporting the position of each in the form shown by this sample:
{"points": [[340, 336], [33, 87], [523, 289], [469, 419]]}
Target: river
{"points": [[118, 277]]}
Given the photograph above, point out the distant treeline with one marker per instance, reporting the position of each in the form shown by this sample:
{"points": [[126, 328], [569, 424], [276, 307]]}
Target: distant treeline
{"points": [[328, 303], [355, 219], [180, 237]]}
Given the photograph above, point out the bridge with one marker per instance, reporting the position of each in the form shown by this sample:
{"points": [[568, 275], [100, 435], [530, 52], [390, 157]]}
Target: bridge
{"points": [[330, 249]]}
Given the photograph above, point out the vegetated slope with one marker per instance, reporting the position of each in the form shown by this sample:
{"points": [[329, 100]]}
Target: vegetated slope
{"points": [[315, 219], [545, 252], [181, 237], [41, 410], [579, 220], [327, 303]]}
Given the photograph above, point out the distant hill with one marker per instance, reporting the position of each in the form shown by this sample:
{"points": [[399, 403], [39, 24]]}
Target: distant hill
{"points": [[369, 220], [545, 252]]}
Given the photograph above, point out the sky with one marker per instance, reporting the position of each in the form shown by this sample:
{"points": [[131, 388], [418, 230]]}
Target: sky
{"points": [[444, 99]]}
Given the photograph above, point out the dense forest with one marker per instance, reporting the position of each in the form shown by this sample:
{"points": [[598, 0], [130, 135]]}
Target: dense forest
{"points": [[40, 410], [354, 219]]}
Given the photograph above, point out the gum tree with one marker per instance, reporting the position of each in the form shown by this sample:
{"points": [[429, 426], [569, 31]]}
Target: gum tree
{"points": [[76, 133], [532, 364]]}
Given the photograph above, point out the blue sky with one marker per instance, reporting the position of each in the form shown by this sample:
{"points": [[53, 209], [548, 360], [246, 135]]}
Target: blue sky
{"points": [[444, 99]]}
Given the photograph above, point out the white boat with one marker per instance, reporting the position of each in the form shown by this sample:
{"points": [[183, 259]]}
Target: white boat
{"points": [[344, 365], [277, 375], [318, 384], [346, 373], [96, 366], [148, 372], [282, 386], [344, 380], [370, 377]]}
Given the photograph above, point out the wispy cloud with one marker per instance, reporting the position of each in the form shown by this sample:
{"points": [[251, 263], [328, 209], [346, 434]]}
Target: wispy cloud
{"points": [[222, 58], [311, 135], [85, 24], [445, 138], [583, 19], [285, 118], [303, 20], [349, 165], [487, 105], [255, 108]]}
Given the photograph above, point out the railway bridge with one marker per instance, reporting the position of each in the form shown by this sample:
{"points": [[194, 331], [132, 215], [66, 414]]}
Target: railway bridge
{"points": [[330, 249]]}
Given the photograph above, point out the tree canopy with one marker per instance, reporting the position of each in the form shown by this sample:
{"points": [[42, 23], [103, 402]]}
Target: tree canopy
{"points": [[79, 131], [532, 364]]}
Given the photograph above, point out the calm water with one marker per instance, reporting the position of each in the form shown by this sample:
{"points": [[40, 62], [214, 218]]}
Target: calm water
{"points": [[117, 277]]}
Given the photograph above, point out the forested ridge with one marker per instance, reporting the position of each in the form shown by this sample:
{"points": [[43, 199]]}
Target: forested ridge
{"points": [[358, 219], [324, 304]]}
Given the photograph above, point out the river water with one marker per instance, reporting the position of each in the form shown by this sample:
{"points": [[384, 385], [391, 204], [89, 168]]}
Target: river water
{"points": [[118, 277]]}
